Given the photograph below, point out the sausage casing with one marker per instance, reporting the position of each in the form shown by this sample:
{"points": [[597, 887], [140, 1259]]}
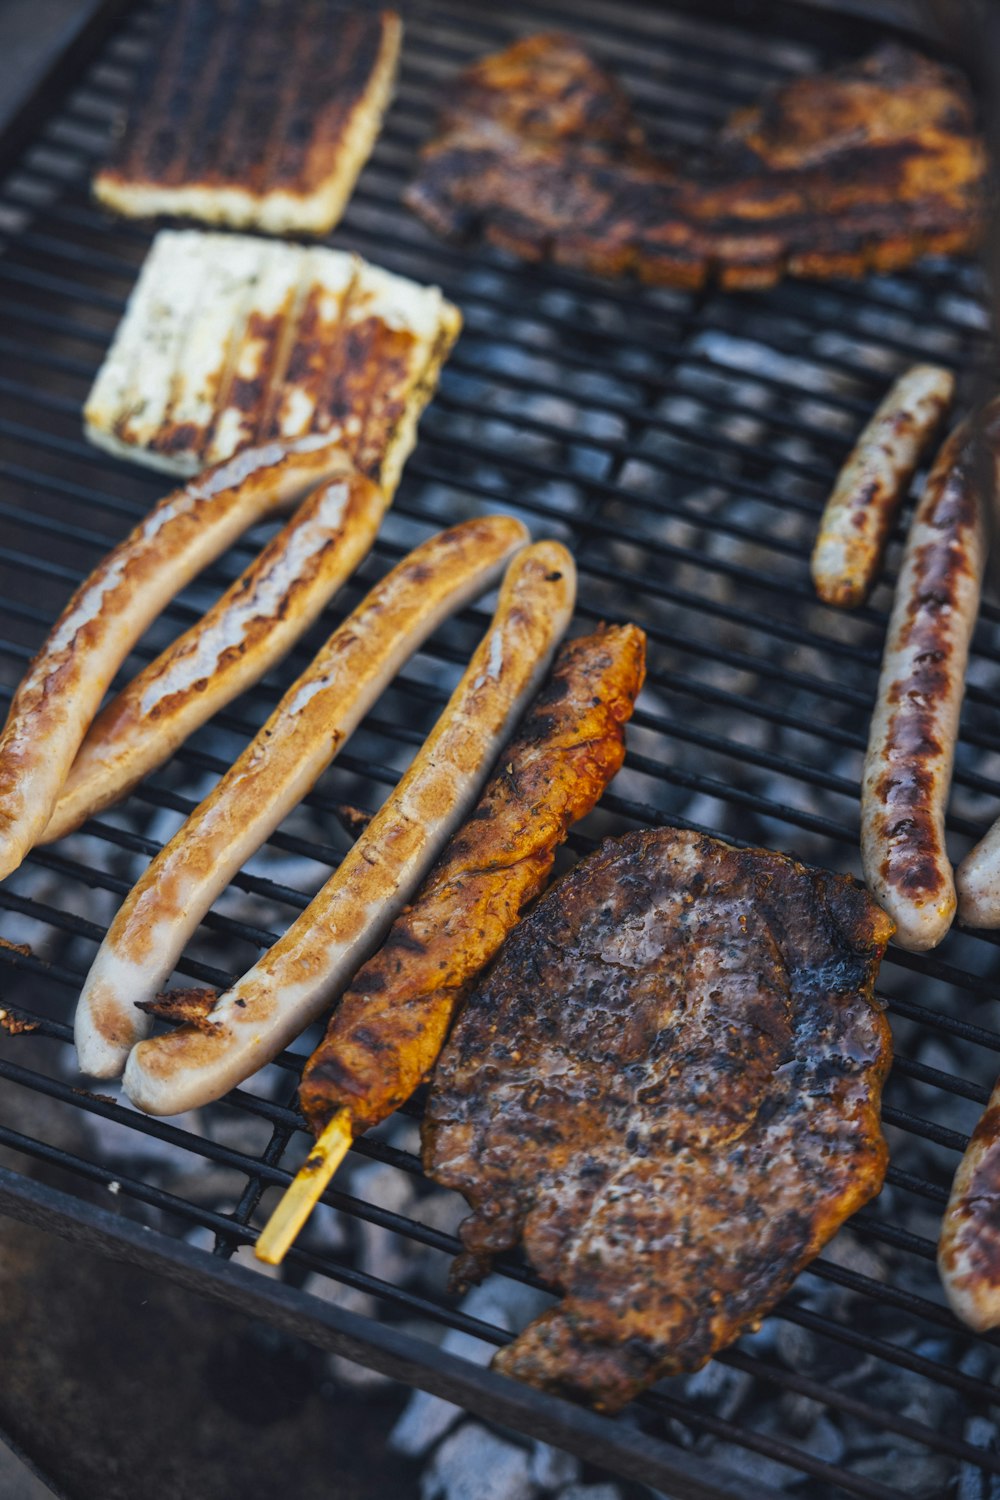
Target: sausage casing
{"points": [[389, 1027], [911, 745], [62, 689], [869, 488], [310, 725], [315, 960], [256, 621]]}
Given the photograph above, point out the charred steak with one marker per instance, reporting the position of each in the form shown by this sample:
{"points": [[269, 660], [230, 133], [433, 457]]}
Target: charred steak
{"points": [[867, 167], [668, 1087]]}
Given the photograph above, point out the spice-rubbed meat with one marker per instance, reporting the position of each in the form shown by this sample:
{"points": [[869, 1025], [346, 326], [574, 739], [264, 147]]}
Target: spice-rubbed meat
{"points": [[388, 1029], [667, 1086], [867, 167]]}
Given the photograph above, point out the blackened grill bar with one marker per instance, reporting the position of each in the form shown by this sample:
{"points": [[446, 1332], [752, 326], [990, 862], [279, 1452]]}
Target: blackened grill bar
{"points": [[645, 428]]}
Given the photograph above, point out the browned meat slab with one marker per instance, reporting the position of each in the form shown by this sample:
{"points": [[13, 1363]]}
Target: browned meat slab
{"points": [[667, 1087], [254, 112], [386, 1033], [868, 167]]}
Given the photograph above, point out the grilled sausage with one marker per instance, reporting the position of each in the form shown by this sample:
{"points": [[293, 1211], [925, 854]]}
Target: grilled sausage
{"points": [[252, 626], [978, 882], [978, 876], [292, 984], [63, 687], [969, 1247], [386, 1033], [911, 745], [310, 725], [873, 481]]}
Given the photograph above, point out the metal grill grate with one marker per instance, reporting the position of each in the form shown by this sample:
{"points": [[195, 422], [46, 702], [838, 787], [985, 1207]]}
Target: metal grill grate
{"points": [[683, 446]]}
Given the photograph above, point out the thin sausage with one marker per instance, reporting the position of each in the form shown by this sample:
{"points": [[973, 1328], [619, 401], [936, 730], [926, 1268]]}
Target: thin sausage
{"points": [[308, 728], [292, 984], [257, 620], [978, 876], [863, 505], [969, 1247], [911, 745], [62, 690], [388, 1029]]}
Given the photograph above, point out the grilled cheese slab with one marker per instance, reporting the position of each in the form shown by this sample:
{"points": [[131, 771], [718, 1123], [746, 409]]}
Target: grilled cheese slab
{"points": [[229, 341], [254, 113]]}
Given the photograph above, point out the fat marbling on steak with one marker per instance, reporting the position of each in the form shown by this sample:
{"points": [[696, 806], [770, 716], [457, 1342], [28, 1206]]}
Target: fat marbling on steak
{"points": [[668, 1088]]}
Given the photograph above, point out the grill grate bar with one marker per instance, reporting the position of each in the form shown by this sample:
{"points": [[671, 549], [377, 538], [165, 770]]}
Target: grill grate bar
{"points": [[265, 1172], [734, 412]]}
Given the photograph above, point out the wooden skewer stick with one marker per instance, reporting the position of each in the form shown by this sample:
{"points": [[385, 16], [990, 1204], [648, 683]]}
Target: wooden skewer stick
{"points": [[303, 1193]]}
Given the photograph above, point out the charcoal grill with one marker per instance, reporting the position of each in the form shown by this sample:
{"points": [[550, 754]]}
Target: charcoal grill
{"points": [[683, 445]]}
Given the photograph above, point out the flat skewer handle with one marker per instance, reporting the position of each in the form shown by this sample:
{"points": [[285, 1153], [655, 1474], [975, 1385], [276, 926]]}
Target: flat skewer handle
{"points": [[304, 1192]]}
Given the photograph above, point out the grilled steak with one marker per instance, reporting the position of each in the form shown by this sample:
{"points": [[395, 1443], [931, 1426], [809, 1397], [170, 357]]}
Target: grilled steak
{"points": [[870, 166], [259, 113], [388, 1029], [667, 1086]]}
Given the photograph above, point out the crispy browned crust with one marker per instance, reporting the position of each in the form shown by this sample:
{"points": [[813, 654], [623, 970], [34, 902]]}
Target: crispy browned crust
{"points": [[192, 1007], [386, 1033], [668, 1088], [254, 113], [867, 167]]}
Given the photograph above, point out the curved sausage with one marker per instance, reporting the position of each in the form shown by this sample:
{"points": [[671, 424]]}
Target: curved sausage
{"points": [[310, 725], [292, 984], [969, 1247], [863, 505], [257, 620], [387, 1031], [911, 745], [62, 689]]}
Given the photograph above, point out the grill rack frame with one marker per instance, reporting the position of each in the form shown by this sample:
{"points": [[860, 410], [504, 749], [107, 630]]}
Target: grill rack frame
{"points": [[57, 140]]}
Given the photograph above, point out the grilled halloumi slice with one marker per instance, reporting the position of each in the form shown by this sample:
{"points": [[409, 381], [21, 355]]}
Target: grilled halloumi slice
{"points": [[228, 341], [258, 114]]}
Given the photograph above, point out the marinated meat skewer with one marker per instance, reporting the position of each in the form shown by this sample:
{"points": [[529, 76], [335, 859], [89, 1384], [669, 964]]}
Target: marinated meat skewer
{"points": [[388, 1029], [911, 744], [667, 1087], [861, 509], [868, 167]]}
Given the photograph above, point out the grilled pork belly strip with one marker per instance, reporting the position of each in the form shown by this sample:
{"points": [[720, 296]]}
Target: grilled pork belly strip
{"points": [[861, 509], [315, 960], [62, 689], [667, 1088], [867, 167], [308, 728], [911, 743], [229, 340], [257, 620], [388, 1029], [969, 1247], [258, 115]]}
